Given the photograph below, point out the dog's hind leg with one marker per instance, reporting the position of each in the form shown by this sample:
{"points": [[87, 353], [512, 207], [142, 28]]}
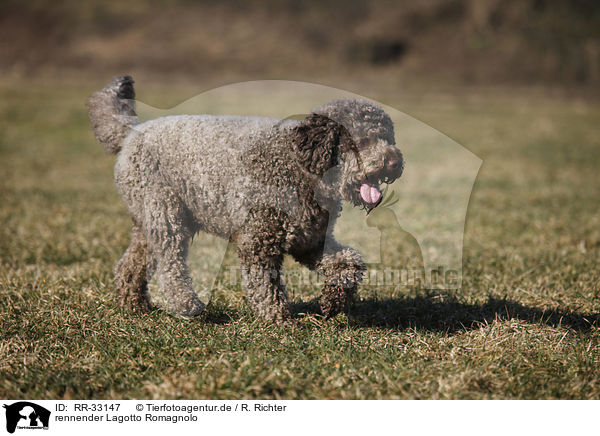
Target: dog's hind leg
{"points": [[168, 227], [131, 273]]}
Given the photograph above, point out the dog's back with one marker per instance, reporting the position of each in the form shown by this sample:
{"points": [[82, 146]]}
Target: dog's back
{"points": [[214, 159]]}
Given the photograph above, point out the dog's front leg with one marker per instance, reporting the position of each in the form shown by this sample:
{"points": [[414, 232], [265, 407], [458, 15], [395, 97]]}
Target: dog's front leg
{"points": [[261, 256], [343, 270], [266, 292]]}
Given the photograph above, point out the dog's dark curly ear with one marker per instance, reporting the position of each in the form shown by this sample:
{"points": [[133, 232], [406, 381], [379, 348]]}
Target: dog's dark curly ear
{"points": [[319, 141]]}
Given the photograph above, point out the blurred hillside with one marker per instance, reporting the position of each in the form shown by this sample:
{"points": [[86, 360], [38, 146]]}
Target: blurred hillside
{"points": [[475, 41]]}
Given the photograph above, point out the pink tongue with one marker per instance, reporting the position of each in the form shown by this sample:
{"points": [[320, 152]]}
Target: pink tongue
{"points": [[369, 193]]}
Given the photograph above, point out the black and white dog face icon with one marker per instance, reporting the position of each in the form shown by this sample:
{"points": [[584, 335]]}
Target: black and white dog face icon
{"points": [[26, 414]]}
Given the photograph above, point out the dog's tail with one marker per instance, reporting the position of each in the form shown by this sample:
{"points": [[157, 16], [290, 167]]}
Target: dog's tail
{"points": [[112, 112]]}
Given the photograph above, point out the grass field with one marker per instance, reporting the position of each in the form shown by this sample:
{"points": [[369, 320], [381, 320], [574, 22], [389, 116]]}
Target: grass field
{"points": [[525, 323]]}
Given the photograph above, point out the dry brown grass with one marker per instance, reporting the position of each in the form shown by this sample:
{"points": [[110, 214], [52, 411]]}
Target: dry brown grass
{"points": [[524, 324]]}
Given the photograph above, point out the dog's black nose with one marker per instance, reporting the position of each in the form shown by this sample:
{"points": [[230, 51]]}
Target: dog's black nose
{"points": [[393, 161], [393, 164]]}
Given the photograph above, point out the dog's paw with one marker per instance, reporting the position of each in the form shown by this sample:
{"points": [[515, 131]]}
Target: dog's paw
{"points": [[137, 303], [186, 309], [334, 299]]}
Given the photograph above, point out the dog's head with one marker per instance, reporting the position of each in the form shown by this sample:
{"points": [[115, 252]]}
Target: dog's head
{"points": [[350, 142]]}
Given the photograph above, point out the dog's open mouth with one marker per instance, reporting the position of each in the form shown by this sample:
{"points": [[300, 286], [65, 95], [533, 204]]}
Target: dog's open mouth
{"points": [[370, 194]]}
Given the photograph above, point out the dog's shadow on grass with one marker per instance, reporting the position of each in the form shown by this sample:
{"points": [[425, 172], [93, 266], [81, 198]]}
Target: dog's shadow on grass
{"points": [[446, 314]]}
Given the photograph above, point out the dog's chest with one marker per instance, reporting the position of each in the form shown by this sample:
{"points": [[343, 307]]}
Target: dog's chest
{"points": [[308, 232]]}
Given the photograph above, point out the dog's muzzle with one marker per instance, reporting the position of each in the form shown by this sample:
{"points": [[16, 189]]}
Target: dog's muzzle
{"points": [[391, 170]]}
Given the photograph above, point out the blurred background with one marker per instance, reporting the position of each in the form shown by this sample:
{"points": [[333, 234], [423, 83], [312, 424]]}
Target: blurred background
{"points": [[448, 42]]}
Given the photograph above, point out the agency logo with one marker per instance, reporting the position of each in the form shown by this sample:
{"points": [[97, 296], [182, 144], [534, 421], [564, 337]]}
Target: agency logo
{"points": [[26, 415]]}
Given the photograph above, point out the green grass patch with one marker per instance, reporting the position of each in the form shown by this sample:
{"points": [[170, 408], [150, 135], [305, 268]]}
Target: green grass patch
{"points": [[523, 325]]}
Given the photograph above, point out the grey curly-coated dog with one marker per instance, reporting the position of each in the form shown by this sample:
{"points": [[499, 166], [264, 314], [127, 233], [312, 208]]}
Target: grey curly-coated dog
{"points": [[273, 187]]}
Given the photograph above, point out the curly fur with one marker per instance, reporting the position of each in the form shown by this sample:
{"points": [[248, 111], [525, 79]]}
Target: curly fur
{"points": [[273, 187], [112, 113]]}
